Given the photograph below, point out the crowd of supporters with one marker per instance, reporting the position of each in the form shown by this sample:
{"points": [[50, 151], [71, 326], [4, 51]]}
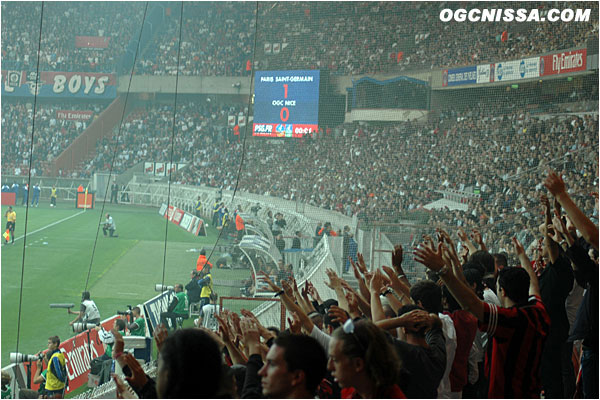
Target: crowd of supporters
{"points": [[114, 23], [361, 169], [481, 325], [350, 38], [146, 135], [53, 133], [217, 39], [347, 38]]}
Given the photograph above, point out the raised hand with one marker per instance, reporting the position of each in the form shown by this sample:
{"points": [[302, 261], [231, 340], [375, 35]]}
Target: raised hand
{"points": [[250, 331], [397, 256], [462, 235], [334, 279], [395, 283], [376, 283], [160, 336], [432, 259], [269, 282], [519, 249], [361, 263], [355, 270], [294, 323], [352, 299], [287, 289], [224, 330], [338, 314], [138, 377], [476, 235], [554, 183], [123, 390], [264, 332]]}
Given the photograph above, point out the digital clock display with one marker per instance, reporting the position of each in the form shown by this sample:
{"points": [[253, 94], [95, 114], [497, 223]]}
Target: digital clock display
{"points": [[286, 103]]}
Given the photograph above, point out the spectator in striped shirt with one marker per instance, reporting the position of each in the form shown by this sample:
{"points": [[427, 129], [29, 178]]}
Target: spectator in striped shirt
{"points": [[517, 330]]}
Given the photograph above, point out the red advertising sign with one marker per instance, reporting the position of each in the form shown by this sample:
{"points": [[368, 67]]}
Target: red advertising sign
{"points": [[74, 115], [92, 42], [169, 214], [564, 62], [177, 215], [77, 351]]}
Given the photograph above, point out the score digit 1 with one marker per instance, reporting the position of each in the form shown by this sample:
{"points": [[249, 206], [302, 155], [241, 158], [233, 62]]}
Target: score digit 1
{"points": [[284, 114]]}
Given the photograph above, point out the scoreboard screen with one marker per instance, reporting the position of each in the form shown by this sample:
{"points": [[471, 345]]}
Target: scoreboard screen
{"points": [[286, 103]]}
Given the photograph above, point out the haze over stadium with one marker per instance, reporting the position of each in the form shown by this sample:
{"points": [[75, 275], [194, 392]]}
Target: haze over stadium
{"points": [[389, 184]]}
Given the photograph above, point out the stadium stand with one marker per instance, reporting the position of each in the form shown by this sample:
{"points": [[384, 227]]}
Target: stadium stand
{"points": [[111, 25]]}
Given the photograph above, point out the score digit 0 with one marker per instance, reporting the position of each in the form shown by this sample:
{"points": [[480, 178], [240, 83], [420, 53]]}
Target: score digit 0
{"points": [[284, 114]]}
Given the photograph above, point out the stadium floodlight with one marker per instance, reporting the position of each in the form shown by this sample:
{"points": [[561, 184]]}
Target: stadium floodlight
{"points": [[162, 288], [62, 305], [17, 358]]}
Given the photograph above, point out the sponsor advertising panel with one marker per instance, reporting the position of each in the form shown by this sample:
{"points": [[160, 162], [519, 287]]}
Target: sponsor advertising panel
{"points": [[518, 69], [563, 63], [459, 76]]}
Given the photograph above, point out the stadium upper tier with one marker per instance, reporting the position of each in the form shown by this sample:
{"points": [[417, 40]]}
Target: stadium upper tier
{"points": [[218, 38]]}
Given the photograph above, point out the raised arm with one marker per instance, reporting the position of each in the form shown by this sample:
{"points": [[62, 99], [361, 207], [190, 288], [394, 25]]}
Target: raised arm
{"points": [[466, 241], [556, 186], [467, 299], [376, 285], [534, 285]]}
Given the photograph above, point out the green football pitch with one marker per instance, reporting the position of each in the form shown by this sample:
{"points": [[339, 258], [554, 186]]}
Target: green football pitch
{"points": [[58, 255]]}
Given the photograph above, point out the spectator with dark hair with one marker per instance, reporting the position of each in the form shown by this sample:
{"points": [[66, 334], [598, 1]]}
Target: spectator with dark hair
{"points": [[189, 365], [178, 308], [295, 366], [363, 362], [466, 328], [423, 350], [192, 288], [138, 325], [585, 270], [429, 296], [500, 261]]}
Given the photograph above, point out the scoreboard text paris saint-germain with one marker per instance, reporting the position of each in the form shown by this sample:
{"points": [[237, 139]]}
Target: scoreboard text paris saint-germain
{"points": [[286, 103]]}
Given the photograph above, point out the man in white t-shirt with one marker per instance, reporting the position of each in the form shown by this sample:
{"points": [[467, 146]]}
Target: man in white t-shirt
{"points": [[88, 312], [207, 317], [109, 226]]}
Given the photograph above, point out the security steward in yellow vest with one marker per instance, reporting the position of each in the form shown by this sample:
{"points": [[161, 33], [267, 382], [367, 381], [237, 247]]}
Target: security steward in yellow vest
{"points": [[56, 375], [206, 284]]}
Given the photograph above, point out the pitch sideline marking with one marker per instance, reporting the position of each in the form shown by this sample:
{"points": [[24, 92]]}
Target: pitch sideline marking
{"points": [[51, 225]]}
